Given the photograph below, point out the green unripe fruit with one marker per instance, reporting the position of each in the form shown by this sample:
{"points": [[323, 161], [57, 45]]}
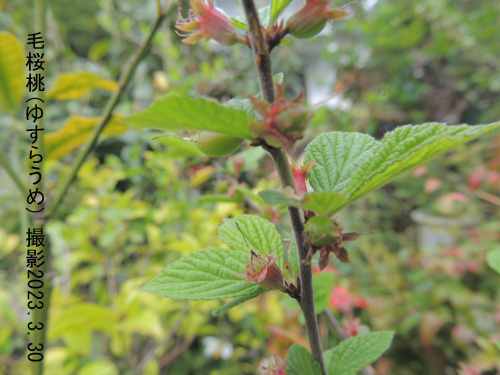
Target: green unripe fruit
{"points": [[216, 144], [322, 231]]}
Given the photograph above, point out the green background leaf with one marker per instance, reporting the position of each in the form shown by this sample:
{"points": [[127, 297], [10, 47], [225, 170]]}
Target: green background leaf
{"points": [[12, 62], [76, 131], [262, 236], [354, 164], [75, 85], [322, 283], [179, 112], [301, 362], [493, 260], [277, 7], [204, 274], [353, 354]]}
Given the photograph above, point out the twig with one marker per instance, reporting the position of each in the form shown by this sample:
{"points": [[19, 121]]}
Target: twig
{"points": [[108, 113], [171, 332], [335, 324], [264, 69], [4, 161]]}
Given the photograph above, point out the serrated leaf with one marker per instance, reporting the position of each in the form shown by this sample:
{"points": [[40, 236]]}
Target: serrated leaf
{"points": [[322, 283], [277, 7], [12, 62], [278, 78], [493, 260], [353, 354], [261, 235], [75, 85], [237, 301], [76, 131], [204, 274], [181, 112], [265, 15], [354, 164], [301, 362], [317, 202]]}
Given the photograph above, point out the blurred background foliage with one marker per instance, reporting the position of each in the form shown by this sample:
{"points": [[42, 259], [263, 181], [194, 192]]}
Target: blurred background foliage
{"points": [[140, 203]]}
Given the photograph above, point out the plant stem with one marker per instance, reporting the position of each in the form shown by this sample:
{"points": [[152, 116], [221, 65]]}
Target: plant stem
{"points": [[4, 161], [264, 69], [108, 113]]}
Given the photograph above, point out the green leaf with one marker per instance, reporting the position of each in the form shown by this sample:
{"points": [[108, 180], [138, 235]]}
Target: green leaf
{"points": [[75, 85], [301, 362], [179, 148], [241, 104], [322, 283], [265, 15], [277, 7], [261, 235], [12, 62], [317, 202], [237, 301], [354, 164], [293, 257], [204, 274], [180, 112], [239, 23], [493, 260], [278, 78], [353, 354], [76, 131]]}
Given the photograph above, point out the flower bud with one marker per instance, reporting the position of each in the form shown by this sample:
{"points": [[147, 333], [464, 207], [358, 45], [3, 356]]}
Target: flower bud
{"points": [[312, 18], [300, 176], [284, 121], [322, 230], [206, 22], [263, 269]]}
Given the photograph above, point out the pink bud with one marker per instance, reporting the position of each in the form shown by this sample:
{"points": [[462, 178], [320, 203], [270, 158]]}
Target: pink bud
{"points": [[263, 269], [300, 176], [206, 22], [284, 122]]}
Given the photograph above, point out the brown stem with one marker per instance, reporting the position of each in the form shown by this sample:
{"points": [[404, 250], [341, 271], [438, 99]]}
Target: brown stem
{"points": [[264, 69]]}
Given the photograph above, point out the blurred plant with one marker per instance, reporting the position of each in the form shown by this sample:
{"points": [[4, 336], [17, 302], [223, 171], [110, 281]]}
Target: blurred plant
{"points": [[345, 166]]}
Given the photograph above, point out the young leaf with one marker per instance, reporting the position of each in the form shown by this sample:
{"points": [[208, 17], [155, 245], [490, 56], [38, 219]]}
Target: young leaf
{"points": [[74, 85], [261, 235], [277, 7], [180, 112], [237, 301], [205, 274], [239, 23], [301, 362], [265, 15], [12, 78], [353, 354], [493, 260], [354, 164]]}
